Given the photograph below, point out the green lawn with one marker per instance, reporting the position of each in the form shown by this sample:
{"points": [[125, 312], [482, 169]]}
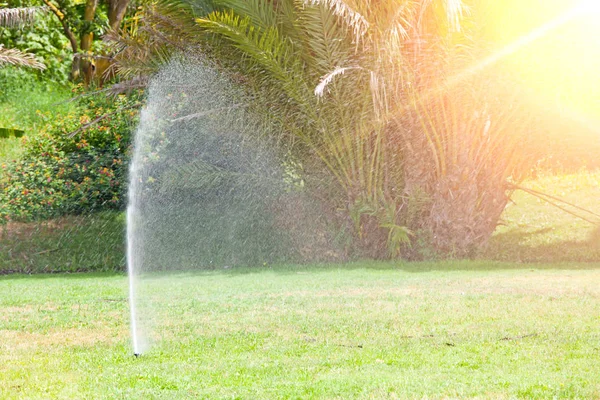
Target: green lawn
{"points": [[364, 330]]}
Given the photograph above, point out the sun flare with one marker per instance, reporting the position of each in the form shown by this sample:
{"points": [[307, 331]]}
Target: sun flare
{"points": [[553, 46], [591, 5]]}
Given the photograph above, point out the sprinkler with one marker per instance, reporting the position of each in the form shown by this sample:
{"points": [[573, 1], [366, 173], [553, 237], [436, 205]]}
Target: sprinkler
{"points": [[136, 355]]}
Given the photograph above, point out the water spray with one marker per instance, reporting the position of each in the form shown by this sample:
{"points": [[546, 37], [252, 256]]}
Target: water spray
{"points": [[207, 187]]}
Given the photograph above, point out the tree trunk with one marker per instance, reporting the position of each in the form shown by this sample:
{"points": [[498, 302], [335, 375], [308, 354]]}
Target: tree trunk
{"points": [[69, 34], [116, 13], [85, 65], [464, 212]]}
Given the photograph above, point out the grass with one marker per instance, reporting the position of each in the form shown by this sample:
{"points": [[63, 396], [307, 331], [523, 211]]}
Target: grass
{"points": [[19, 105], [535, 231], [92, 242], [364, 330]]}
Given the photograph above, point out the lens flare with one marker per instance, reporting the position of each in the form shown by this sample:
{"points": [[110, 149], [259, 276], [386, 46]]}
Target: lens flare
{"points": [[590, 6]]}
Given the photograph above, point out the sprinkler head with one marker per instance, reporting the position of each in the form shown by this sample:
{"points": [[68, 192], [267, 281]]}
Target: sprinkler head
{"points": [[136, 355]]}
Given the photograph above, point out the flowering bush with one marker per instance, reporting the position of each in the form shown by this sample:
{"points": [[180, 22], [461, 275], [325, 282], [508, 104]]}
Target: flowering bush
{"points": [[62, 173]]}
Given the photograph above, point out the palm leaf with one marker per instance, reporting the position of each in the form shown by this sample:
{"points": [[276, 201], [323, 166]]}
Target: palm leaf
{"points": [[327, 79], [327, 43], [356, 21], [261, 13], [455, 10], [161, 30], [268, 55], [19, 58], [14, 17]]}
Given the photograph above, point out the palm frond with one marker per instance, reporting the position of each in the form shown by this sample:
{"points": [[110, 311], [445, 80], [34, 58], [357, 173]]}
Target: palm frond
{"points": [[264, 46], [326, 42], [356, 21], [261, 13], [327, 79], [14, 17], [455, 10], [265, 51], [19, 58], [162, 30]]}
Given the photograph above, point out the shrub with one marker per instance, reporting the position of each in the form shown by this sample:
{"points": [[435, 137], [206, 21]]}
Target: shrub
{"points": [[65, 173]]}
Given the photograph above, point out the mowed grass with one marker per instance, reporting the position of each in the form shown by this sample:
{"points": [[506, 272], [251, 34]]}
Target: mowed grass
{"points": [[362, 330]]}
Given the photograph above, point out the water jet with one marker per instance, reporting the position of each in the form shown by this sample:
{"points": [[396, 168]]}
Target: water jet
{"points": [[207, 186]]}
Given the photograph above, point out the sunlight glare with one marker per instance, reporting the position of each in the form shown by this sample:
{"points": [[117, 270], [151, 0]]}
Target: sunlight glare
{"points": [[590, 6]]}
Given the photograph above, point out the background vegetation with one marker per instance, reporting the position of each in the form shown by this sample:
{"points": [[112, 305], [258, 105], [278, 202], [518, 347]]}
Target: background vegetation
{"points": [[389, 114], [68, 168], [532, 231], [407, 154]]}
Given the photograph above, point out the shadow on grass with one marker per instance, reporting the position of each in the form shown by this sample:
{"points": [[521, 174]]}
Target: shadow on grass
{"points": [[517, 246], [59, 275], [382, 266], [93, 242], [294, 269], [97, 246]]}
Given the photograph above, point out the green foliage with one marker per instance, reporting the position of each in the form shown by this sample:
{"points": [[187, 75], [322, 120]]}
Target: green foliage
{"points": [[14, 83], [22, 97], [63, 183], [45, 40], [99, 122], [67, 170]]}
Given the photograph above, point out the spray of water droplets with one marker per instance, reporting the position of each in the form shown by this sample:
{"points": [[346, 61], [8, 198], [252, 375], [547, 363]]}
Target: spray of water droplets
{"points": [[209, 188]]}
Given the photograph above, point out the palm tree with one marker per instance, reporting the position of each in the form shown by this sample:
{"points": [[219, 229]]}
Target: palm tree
{"points": [[13, 17], [375, 92], [418, 139]]}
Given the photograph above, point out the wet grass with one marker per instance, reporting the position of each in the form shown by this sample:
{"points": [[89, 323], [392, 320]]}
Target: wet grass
{"points": [[363, 330]]}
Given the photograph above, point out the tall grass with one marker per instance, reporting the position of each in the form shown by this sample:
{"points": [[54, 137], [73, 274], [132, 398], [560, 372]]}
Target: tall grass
{"points": [[93, 242], [23, 97]]}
